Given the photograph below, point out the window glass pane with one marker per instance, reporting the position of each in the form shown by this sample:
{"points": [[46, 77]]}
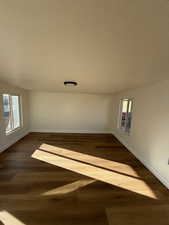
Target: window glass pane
{"points": [[15, 112], [130, 106], [11, 112], [124, 113], [129, 116], [124, 106], [7, 112], [6, 106]]}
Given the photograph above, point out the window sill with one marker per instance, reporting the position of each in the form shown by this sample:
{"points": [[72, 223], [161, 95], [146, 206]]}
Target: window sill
{"points": [[13, 131], [127, 133]]}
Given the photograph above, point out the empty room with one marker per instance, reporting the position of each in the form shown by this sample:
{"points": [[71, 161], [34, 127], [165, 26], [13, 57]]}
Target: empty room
{"points": [[84, 112]]}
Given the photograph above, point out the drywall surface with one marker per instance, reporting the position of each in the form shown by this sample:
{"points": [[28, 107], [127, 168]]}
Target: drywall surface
{"points": [[67, 112], [7, 140], [149, 137]]}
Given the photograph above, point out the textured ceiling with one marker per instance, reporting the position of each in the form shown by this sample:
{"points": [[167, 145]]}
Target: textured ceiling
{"points": [[105, 45]]}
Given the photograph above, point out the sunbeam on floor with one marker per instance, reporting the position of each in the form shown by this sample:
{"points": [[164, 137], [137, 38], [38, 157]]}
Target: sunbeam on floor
{"points": [[7, 219], [95, 161], [52, 155]]}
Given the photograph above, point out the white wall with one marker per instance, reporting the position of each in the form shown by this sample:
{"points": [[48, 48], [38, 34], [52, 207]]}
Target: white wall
{"points": [[67, 112], [7, 140], [149, 138]]}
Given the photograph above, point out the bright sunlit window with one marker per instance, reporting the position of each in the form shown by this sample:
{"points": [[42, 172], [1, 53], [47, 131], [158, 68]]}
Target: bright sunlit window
{"points": [[11, 112], [125, 115]]}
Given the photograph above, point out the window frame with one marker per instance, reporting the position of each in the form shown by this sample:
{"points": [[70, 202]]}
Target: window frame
{"points": [[20, 112], [125, 129]]}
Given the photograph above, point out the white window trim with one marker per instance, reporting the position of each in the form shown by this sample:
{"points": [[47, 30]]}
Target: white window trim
{"points": [[124, 131], [20, 114]]}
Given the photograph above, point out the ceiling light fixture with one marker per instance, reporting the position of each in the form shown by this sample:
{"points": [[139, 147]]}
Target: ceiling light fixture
{"points": [[70, 83]]}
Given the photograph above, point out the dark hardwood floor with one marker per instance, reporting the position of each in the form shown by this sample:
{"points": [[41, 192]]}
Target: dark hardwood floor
{"points": [[78, 179]]}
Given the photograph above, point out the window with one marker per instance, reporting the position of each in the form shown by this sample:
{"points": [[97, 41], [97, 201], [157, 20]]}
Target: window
{"points": [[125, 115], [11, 105]]}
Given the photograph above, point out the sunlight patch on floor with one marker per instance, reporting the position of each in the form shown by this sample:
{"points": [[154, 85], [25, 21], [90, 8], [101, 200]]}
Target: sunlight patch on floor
{"points": [[68, 188], [107, 176], [96, 161], [7, 219]]}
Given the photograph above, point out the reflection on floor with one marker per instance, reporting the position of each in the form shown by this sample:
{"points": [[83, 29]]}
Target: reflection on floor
{"points": [[78, 179], [68, 188]]}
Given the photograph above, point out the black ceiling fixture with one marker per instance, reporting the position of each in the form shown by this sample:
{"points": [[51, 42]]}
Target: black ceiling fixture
{"points": [[70, 83]]}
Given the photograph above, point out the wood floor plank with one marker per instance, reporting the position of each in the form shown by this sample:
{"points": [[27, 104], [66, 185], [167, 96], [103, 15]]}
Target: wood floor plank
{"points": [[119, 191]]}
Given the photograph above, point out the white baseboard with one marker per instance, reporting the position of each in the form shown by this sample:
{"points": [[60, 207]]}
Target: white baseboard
{"points": [[3, 148], [70, 131], [156, 173]]}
